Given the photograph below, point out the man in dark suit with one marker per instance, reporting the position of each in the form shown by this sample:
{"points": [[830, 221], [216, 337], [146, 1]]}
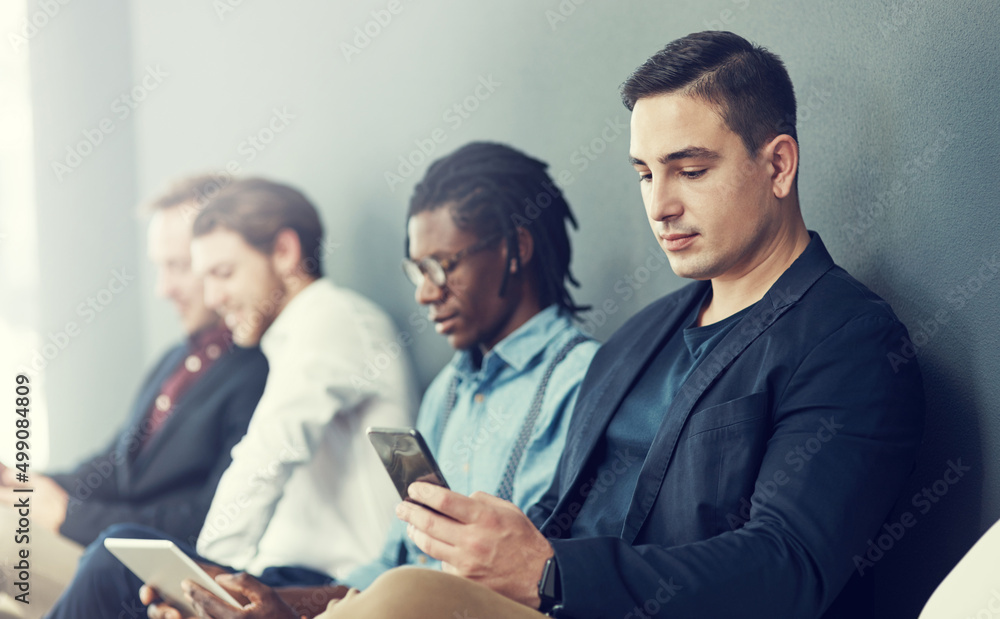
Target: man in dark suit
{"points": [[734, 445], [162, 468]]}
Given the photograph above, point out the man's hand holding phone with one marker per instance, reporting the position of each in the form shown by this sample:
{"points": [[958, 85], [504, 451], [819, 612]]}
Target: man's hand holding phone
{"points": [[480, 537]]}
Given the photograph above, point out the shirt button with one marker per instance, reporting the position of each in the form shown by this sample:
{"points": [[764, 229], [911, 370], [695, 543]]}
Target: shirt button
{"points": [[213, 351], [465, 467], [192, 364], [479, 398], [422, 559], [162, 402]]}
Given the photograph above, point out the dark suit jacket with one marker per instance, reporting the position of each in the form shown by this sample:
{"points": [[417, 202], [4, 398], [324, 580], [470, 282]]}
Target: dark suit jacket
{"points": [[774, 465], [169, 484]]}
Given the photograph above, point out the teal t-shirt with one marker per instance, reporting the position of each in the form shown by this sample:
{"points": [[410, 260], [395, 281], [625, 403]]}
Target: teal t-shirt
{"points": [[630, 432]]}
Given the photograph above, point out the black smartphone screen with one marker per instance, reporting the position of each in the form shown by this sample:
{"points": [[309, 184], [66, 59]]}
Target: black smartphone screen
{"points": [[406, 457]]}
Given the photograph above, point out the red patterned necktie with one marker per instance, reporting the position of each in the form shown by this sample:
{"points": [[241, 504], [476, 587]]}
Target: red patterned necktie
{"points": [[204, 349]]}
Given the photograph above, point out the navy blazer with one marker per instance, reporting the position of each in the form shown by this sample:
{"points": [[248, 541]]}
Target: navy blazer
{"points": [[169, 483], [779, 458]]}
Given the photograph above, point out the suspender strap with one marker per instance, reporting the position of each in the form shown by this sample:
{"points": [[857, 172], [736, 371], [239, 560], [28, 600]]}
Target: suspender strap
{"points": [[517, 454], [448, 407]]}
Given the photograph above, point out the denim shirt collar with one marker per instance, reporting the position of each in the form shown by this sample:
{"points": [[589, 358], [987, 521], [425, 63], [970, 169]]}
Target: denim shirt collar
{"points": [[517, 349]]}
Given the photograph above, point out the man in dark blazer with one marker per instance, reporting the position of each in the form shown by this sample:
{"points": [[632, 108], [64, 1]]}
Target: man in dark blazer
{"points": [[162, 468], [737, 443]]}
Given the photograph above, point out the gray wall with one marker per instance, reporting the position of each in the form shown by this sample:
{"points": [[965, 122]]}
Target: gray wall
{"points": [[897, 127], [91, 328]]}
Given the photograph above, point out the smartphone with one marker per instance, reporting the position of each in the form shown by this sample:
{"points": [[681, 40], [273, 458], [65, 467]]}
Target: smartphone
{"points": [[406, 457], [162, 565]]}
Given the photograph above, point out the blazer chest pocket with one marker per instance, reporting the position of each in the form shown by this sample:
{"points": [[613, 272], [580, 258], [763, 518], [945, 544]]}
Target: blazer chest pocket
{"points": [[723, 449], [731, 413]]}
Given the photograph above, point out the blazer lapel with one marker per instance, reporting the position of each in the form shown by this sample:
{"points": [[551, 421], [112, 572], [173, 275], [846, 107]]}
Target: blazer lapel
{"points": [[813, 263], [617, 380], [189, 404], [128, 445]]}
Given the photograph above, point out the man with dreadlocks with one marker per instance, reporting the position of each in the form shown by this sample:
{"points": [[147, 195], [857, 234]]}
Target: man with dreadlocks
{"points": [[501, 205], [489, 253]]}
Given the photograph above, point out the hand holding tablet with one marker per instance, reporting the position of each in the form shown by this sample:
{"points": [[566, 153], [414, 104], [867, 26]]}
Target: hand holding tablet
{"points": [[162, 565]]}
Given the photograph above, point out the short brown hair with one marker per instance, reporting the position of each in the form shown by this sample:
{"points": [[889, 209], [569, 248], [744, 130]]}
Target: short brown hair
{"points": [[258, 209], [198, 189]]}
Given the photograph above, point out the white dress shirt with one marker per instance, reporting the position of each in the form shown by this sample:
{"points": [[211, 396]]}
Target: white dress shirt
{"points": [[305, 487]]}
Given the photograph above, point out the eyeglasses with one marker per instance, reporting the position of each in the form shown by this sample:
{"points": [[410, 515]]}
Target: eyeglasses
{"points": [[437, 270]]}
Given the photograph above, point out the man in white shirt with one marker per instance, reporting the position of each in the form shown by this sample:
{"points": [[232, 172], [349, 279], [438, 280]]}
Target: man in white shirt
{"points": [[162, 467], [305, 489]]}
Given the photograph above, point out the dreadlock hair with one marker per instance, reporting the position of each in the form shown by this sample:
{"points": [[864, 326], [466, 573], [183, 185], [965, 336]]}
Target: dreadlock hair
{"points": [[492, 188]]}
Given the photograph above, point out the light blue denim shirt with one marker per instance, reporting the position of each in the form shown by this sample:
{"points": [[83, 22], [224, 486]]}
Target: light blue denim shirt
{"points": [[491, 404]]}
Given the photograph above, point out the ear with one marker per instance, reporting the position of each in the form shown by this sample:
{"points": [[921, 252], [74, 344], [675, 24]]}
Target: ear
{"points": [[782, 154], [526, 248], [286, 257]]}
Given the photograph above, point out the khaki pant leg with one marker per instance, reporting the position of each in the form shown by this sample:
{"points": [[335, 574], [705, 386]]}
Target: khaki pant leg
{"points": [[416, 593], [52, 562]]}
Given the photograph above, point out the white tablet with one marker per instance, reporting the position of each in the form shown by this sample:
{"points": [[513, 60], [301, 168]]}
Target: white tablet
{"points": [[161, 565]]}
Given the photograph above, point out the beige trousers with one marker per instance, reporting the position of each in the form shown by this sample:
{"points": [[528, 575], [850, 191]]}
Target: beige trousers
{"points": [[416, 593], [51, 562]]}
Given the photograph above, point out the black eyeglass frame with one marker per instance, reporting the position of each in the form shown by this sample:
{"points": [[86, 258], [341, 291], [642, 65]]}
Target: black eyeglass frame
{"points": [[438, 270]]}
